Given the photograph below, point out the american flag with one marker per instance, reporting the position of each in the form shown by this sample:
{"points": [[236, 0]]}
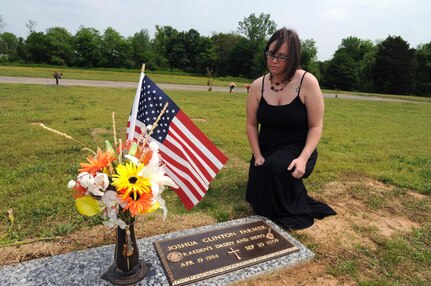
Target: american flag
{"points": [[191, 160]]}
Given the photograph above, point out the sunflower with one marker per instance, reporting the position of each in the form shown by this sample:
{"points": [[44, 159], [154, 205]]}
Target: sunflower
{"points": [[97, 163], [140, 204], [128, 181]]}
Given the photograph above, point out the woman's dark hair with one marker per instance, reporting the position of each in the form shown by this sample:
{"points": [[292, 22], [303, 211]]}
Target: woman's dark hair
{"points": [[294, 49]]}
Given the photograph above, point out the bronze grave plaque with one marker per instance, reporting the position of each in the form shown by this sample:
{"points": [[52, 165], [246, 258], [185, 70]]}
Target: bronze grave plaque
{"points": [[203, 255]]}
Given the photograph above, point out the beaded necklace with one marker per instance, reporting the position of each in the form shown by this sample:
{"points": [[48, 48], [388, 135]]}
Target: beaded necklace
{"points": [[277, 84]]}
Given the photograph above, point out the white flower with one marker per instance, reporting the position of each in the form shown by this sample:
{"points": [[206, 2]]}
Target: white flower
{"points": [[112, 202], [111, 199], [101, 181], [85, 179], [156, 175], [94, 185]]}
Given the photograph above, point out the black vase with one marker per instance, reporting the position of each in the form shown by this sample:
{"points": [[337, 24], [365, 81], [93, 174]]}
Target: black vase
{"points": [[127, 268]]}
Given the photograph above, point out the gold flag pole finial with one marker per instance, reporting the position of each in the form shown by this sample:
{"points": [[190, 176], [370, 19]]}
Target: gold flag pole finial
{"points": [[143, 68]]}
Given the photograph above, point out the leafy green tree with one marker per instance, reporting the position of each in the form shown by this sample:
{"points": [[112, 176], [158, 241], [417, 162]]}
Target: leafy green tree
{"points": [[362, 53], [366, 81], [207, 56], [323, 69], [309, 57], [341, 72], [114, 49], [223, 46], [8, 46], [177, 51], [60, 46], [193, 48], [163, 44], [185, 50], [241, 59], [140, 48], [256, 29], [87, 47], [345, 70], [21, 50], [394, 67], [423, 69], [38, 47]]}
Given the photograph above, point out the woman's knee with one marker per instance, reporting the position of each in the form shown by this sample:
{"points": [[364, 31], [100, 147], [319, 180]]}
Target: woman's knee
{"points": [[274, 167]]}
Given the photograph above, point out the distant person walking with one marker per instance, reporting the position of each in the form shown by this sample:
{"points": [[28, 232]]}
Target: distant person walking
{"points": [[57, 77]]}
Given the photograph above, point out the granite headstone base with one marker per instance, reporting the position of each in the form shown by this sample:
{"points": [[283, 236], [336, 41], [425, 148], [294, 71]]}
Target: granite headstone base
{"points": [[85, 267]]}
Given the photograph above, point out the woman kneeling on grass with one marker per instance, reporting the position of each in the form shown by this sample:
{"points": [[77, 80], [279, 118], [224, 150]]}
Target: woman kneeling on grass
{"points": [[288, 105]]}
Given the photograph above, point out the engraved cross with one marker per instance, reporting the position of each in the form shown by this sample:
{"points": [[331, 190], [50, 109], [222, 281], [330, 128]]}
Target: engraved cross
{"points": [[234, 252]]}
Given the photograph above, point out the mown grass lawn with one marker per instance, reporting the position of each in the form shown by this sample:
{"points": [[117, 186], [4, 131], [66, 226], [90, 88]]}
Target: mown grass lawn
{"points": [[387, 141]]}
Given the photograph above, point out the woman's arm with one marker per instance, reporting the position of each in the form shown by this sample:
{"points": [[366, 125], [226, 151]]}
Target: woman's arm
{"points": [[251, 120], [313, 101]]}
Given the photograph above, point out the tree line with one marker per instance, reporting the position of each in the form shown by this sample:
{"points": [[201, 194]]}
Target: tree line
{"points": [[389, 66]]}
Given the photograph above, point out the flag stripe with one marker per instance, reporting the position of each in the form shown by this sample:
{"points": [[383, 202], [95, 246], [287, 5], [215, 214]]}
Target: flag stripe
{"points": [[204, 163], [176, 160], [199, 162], [202, 142], [188, 188], [189, 185], [183, 192], [175, 143]]}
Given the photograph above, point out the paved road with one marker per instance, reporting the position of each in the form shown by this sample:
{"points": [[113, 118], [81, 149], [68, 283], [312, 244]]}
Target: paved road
{"points": [[167, 86]]}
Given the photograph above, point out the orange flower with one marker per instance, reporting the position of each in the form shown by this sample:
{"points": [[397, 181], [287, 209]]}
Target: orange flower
{"points": [[141, 205], [97, 163]]}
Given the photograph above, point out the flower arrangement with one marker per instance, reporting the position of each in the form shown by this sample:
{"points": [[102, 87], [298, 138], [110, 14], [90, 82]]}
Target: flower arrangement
{"points": [[121, 181]]}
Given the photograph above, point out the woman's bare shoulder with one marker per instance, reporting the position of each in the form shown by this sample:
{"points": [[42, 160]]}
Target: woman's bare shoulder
{"points": [[255, 89], [309, 78], [256, 84], [257, 81]]}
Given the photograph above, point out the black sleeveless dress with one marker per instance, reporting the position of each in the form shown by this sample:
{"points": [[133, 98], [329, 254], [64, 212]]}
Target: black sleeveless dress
{"points": [[271, 190]]}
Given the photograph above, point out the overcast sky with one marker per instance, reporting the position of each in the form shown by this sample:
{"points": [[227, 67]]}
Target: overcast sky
{"points": [[325, 21]]}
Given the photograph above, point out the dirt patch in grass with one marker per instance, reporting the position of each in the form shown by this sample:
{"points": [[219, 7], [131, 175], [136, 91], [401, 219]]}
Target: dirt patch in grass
{"points": [[357, 224], [368, 210], [98, 132], [355, 219]]}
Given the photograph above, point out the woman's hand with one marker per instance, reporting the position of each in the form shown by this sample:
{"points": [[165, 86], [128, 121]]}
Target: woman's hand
{"points": [[258, 161], [299, 165]]}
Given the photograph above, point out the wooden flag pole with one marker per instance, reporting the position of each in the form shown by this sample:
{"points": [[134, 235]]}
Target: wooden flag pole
{"points": [[143, 68]]}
